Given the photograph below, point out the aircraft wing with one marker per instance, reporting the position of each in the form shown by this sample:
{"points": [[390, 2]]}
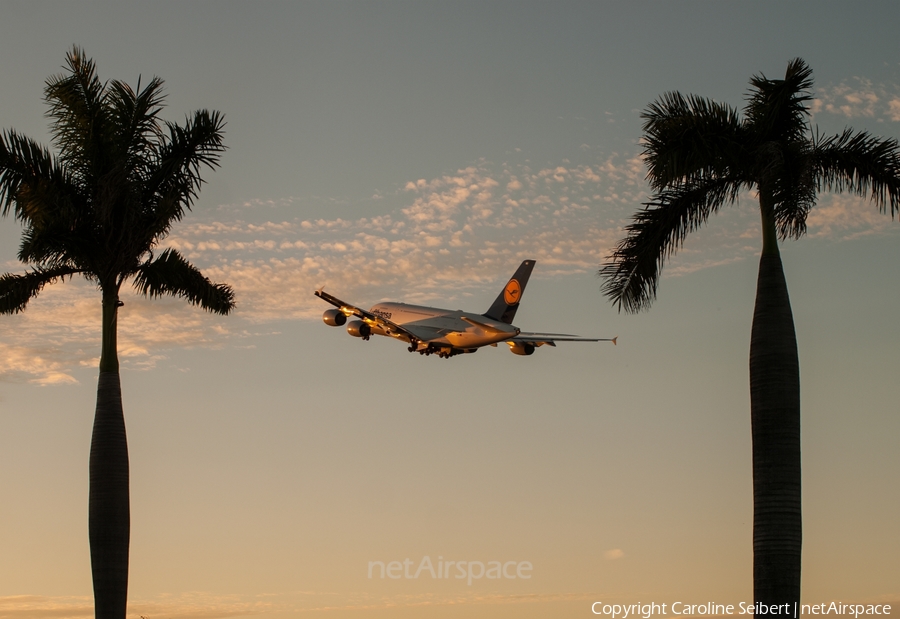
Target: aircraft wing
{"points": [[539, 339], [373, 320]]}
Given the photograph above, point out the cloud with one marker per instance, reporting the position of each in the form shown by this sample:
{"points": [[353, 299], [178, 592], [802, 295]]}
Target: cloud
{"points": [[29, 363], [613, 554], [859, 98], [184, 606], [439, 240], [449, 236], [60, 331], [37, 606], [201, 605], [894, 109], [846, 217], [468, 598]]}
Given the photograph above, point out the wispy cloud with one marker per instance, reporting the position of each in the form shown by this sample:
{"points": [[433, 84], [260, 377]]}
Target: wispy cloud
{"points": [[365, 601], [859, 98], [184, 606], [453, 233], [28, 606], [431, 240], [846, 217], [60, 331], [200, 605]]}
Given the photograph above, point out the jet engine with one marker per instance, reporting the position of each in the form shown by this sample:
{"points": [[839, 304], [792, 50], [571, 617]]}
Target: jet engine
{"points": [[358, 328], [521, 348], [334, 318]]}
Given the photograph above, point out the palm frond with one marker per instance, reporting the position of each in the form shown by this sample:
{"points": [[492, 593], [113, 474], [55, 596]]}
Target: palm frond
{"points": [[17, 290], [776, 109], [55, 245], [30, 178], [53, 211], [793, 188], [78, 117], [171, 274], [632, 272], [135, 117], [862, 164], [688, 138], [177, 178]]}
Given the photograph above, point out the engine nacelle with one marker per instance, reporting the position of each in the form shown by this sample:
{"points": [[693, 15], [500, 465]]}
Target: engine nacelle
{"points": [[357, 328], [521, 348], [334, 318]]}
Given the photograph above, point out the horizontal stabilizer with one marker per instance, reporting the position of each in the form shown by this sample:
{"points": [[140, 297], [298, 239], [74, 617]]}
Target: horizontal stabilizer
{"points": [[548, 338]]}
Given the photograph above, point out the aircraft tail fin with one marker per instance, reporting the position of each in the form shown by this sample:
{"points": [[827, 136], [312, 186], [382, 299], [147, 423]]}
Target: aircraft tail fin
{"points": [[507, 302]]}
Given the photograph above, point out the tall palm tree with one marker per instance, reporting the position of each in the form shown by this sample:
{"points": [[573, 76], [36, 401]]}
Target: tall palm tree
{"points": [[98, 208], [702, 155]]}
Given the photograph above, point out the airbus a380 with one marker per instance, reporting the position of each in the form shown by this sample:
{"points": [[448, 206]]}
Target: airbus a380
{"points": [[431, 330]]}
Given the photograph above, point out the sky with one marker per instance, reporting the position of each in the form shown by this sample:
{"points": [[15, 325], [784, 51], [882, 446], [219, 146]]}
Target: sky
{"points": [[418, 152]]}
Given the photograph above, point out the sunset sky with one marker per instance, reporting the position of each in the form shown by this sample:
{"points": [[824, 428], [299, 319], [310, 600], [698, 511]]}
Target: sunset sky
{"points": [[419, 151]]}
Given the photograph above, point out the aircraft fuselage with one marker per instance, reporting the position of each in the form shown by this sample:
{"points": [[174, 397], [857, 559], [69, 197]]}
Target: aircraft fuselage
{"points": [[437, 326]]}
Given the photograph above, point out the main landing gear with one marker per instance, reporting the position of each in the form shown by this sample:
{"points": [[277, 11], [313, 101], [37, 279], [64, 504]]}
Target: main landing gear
{"points": [[443, 353], [431, 349]]}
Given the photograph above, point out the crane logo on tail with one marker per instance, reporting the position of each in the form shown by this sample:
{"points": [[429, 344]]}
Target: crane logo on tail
{"points": [[512, 292]]}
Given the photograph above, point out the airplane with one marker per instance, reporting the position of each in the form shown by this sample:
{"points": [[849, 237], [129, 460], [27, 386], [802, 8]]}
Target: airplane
{"points": [[446, 333]]}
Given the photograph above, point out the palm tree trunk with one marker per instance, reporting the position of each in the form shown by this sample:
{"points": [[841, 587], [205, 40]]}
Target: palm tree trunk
{"points": [[109, 519], [775, 420]]}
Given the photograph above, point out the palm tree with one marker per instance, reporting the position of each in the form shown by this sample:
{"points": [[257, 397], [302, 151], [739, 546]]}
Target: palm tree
{"points": [[701, 155], [98, 209]]}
